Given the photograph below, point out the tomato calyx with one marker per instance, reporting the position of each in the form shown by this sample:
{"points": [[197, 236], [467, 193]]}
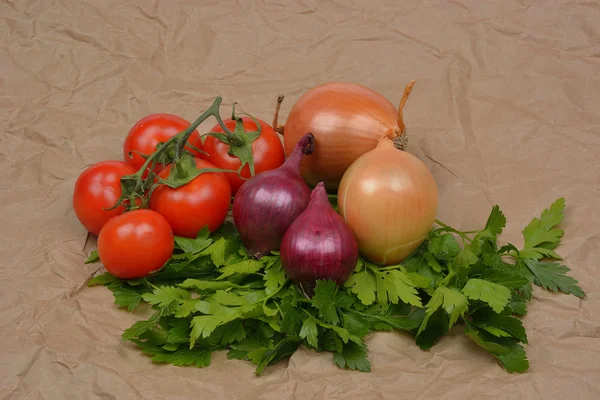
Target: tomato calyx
{"points": [[139, 186], [186, 171], [240, 141], [165, 156]]}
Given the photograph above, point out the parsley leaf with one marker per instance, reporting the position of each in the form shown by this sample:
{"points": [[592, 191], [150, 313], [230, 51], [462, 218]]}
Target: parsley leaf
{"points": [[126, 296], [518, 304], [342, 332], [355, 324], [94, 257], [443, 246], [451, 300], [221, 250], [242, 267], [204, 325], [194, 246], [228, 298], [179, 331], [500, 325], [353, 356], [330, 341], [255, 340], [234, 354], [389, 319], [103, 279], [269, 312], [395, 285], [215, 315], [541, 236], [231, 332], [432, 262], [417, 264], [186, 308], [274, 277], [283, 348], [324, 301], [552, 276], [455, 304], [364, 286], [310, 332], [164, 295], [199, 357], [496, 221], [417, 259], [507, 350], [554, 215], [142, 326], [466, 258], [196, 267], [436, 327], [509, 278], [488, 235], [205, 285], [419, 281], [497, 296], [292, 319]]}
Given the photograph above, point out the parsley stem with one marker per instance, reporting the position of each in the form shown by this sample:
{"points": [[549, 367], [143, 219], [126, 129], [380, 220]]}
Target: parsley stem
{"points": [[451, 229], [279, 309], [374, 269], [391, 267], [275, 292]]}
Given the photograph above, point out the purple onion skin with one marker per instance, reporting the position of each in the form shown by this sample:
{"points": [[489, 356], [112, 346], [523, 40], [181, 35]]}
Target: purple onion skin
{"points": [[266, 205], [319, 245]]}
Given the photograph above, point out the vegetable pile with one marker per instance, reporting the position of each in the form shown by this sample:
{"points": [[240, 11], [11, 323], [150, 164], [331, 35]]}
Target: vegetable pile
{"points": [[299, 266]]}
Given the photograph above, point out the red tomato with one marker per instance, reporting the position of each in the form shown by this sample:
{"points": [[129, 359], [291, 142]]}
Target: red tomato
{"points": [[97, 188], [152, 130], [267, 151], [136, 243], [189, 208]]}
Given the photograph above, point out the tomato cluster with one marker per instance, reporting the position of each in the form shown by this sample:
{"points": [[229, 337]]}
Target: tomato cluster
{"points": [[132, 244]]}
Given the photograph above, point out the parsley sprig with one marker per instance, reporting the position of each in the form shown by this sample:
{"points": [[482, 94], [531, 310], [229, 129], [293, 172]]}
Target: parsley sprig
{"points": [[211, 296]]}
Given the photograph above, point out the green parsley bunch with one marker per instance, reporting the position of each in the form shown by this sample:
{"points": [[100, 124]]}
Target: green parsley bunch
{"points": [[211, 296]]}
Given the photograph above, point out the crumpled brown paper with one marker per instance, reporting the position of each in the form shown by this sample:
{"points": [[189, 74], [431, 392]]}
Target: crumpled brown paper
{"points": [[505, 112]]}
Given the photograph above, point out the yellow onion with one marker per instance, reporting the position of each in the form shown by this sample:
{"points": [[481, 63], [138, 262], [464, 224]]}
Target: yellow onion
{"points": [[389, 199], [347, 120]]}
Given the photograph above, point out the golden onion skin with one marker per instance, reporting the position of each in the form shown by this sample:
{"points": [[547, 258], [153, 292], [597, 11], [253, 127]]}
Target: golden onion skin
{"points": [[389, 199], [347, 121]]}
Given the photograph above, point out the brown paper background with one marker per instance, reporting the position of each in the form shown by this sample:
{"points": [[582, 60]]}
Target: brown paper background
{"points": [[506, 111]]}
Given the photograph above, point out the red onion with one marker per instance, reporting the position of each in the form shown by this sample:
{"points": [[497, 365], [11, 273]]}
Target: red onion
{"points": [[267, 204], [319, 245]]}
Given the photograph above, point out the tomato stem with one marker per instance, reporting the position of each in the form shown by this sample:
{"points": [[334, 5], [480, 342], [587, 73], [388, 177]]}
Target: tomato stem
{"points": [[181, 138], [135, 185]]}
